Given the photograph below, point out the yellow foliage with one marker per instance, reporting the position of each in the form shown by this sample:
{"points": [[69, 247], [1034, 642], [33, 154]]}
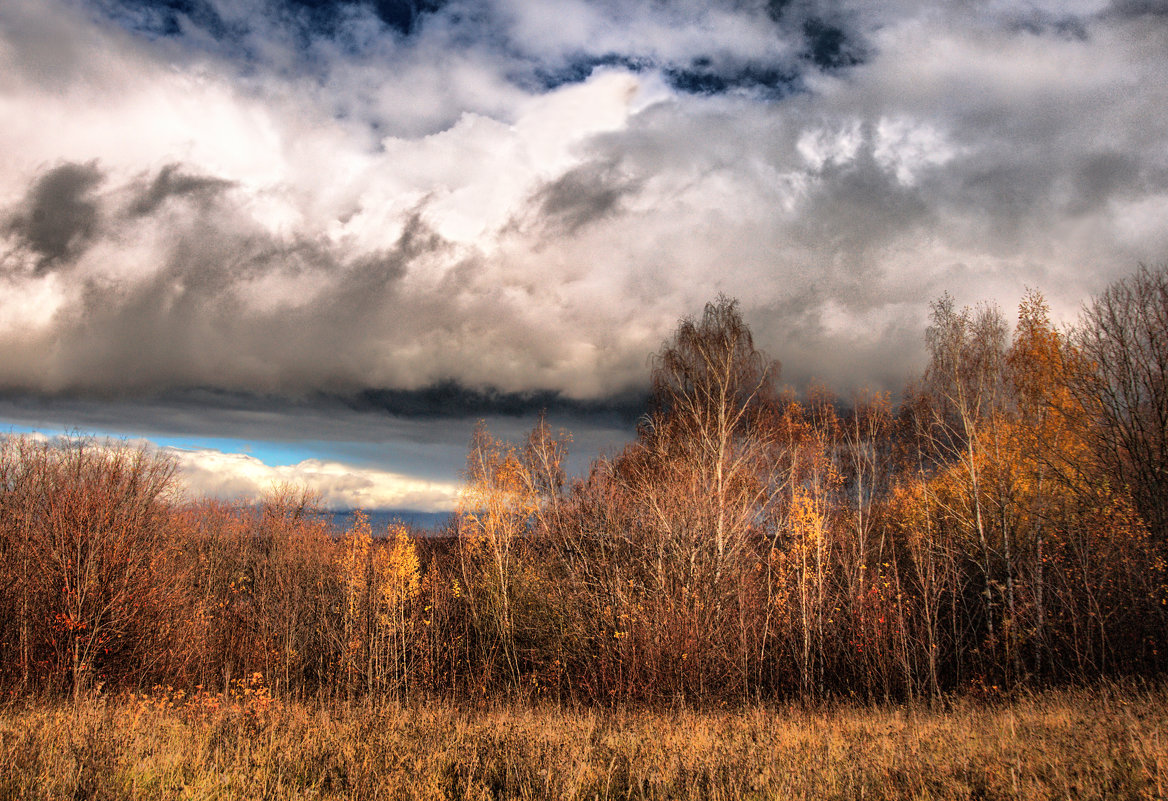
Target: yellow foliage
{"points": [[396, 570], [355, 562], [807, 519]]}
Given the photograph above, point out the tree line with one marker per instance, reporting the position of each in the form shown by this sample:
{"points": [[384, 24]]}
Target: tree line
{"points": [[1004, 525]]}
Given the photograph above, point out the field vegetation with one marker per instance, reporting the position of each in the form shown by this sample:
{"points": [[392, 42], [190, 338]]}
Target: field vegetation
{"points": [[1106, 743]]}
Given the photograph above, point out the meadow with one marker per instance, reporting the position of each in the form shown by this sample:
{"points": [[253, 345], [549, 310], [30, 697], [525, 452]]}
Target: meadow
{"points": [[1107, 742]]}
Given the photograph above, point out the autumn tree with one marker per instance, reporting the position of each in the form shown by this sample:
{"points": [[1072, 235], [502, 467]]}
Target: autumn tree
{"points": [[696, 485], [1123, 333], [544, 458], [396, 583], [20, 463], [86, 523], [1065, 488], [292, 589], [711, 388], [964, 378], [496, 510], [358, 588]]}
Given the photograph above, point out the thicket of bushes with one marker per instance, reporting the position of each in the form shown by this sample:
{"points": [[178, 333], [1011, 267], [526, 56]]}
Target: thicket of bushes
{"points": [[1003, 525]]}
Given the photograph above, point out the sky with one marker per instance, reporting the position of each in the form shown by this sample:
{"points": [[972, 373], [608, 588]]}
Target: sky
{"points": [[314, 241]]}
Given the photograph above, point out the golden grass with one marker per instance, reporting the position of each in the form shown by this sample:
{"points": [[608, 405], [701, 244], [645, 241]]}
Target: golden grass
{"points": [[1085, 744]]}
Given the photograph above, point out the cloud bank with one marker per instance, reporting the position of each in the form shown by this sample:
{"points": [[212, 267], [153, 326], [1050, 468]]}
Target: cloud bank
{"points": [[520, 199], [211, 473], [236, 476]]}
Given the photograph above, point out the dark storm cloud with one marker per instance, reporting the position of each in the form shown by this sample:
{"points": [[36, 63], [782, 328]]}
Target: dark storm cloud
{"points": [[703, 77], [59, 214], [829, 46], [171, 182], [858, 210], [484, 207], [359, 433], [233, 307], [583, 195], [167, 17], [1140, 8], [449, 399], [405, 15], [202, 315], [173, 17]]}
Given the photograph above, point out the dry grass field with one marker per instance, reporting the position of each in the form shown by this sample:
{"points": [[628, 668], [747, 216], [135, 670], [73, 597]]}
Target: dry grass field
{"points": [[1102, 743]]}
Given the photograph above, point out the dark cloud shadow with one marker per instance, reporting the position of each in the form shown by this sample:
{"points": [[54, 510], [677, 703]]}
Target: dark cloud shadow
{"points": [[703, 76], [59, 215], [583, 195], [829, 46], [171, 182], [450, 399]]}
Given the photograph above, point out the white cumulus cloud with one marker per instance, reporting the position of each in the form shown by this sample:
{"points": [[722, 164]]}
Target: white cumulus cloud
{"points": [[236, 476]]}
